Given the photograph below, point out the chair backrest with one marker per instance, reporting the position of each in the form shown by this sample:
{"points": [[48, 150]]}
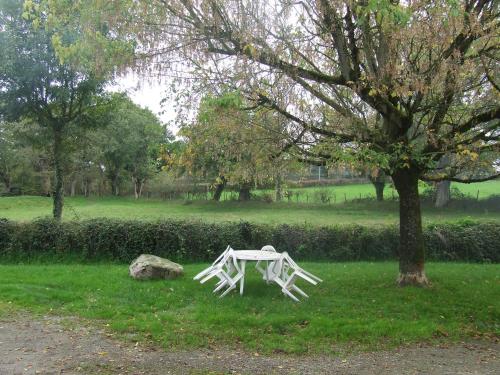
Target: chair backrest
{"points": [[290, 260], [230, 260], [268, 248], [219, 258]]}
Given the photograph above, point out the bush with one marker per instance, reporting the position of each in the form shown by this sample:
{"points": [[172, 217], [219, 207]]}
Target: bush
{"points": [[322, 196], [188, 241], [264, 197]]}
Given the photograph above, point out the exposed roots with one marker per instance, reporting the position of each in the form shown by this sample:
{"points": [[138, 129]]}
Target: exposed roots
{"points": [[413, 279]]}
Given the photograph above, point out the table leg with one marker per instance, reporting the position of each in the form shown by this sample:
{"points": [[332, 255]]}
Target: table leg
{"points": [[242, 280], [267, 271]]}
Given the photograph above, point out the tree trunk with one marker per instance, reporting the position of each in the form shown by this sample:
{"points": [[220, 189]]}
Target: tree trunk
{"points": [[5, 177], [278, 188], [411, 242], [136, 188], [85, 188], [220, 184], [101, 182], [442, 193], [46, 184], [141, 186], [244, 193], [114, 184], [58, 173], [379, 189], [377, 178], [73, 187], [6, 180], [86, 185], [138, 184]]}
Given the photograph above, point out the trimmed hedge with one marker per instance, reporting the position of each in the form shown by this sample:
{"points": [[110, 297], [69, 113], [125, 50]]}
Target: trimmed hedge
{"points": [[188, 241]]}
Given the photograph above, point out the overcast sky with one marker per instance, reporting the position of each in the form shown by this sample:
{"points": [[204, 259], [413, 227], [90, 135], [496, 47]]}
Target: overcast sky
{"points": [[147, 93]]}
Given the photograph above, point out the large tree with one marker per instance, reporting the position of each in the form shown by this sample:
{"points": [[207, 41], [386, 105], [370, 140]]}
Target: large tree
{"points": [[228, 143], [424, 69], [36, 85]]}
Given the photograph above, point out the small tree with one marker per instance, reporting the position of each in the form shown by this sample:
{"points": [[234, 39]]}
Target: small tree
{"points": [[36, 85]]}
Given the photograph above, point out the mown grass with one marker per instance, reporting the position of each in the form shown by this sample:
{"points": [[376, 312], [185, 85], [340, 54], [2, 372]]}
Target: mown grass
{"points": [[357, 306], [368, 212]]}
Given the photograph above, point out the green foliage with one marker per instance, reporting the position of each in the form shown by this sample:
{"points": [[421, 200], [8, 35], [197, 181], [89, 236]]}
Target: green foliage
{"points": [[90, 44], [387, 12], [194, 241], [130, 141], [34, 82], [239, 145]]}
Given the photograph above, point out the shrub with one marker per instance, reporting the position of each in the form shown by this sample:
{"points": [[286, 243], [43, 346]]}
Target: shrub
{"points": [[322, 196], [264, 197], [195, 241]]}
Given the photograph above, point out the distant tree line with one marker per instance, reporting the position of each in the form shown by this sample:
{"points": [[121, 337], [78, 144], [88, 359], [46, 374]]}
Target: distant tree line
{"points": [[121, 152]]}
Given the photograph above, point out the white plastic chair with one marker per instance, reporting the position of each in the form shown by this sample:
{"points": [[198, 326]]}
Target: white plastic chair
{"points": [[206, 271], [288, 272], [226, 270], [267, 273]]}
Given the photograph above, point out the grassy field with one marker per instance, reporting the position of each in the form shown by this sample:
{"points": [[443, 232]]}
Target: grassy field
{"points": [[344, 193], [367, 212], [370, 212], [357, 305]]}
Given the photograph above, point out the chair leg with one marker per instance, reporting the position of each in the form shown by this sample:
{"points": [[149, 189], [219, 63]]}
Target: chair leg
{"points": [[220, 285], [305, 277], [289, 294], [231, 287], [300, 291], [242, 280]]}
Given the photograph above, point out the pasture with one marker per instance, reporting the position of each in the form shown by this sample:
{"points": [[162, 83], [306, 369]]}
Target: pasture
{"points": [[366, 212]]}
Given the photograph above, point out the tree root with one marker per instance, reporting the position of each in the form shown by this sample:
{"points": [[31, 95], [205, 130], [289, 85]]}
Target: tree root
{"points": [[413, 279]]}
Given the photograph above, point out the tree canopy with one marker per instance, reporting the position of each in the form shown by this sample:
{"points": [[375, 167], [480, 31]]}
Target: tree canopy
{"points": [[229, 143], [129, 142]]}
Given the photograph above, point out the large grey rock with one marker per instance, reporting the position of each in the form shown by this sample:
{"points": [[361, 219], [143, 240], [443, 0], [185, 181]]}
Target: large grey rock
{"points": [[149, 266]]}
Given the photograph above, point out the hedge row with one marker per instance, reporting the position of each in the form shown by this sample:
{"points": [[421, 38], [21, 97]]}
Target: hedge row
{"points": [[188, 241]]}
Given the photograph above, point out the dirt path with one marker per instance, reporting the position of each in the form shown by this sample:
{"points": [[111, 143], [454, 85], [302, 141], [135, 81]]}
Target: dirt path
{"points": [[43, 346]]}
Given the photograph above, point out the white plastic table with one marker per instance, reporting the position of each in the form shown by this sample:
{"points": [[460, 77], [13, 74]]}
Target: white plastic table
{"points": [[255, 255]]}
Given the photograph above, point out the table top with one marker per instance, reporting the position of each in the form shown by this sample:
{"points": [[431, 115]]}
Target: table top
{"points": [[256, 255]]}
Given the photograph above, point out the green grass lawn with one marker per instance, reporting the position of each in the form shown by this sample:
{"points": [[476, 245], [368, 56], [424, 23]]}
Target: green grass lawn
{"points": [[357, 306], [370, 212]]}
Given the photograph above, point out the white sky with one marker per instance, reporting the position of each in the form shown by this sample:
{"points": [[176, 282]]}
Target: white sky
{"points": [[148, 93]]}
